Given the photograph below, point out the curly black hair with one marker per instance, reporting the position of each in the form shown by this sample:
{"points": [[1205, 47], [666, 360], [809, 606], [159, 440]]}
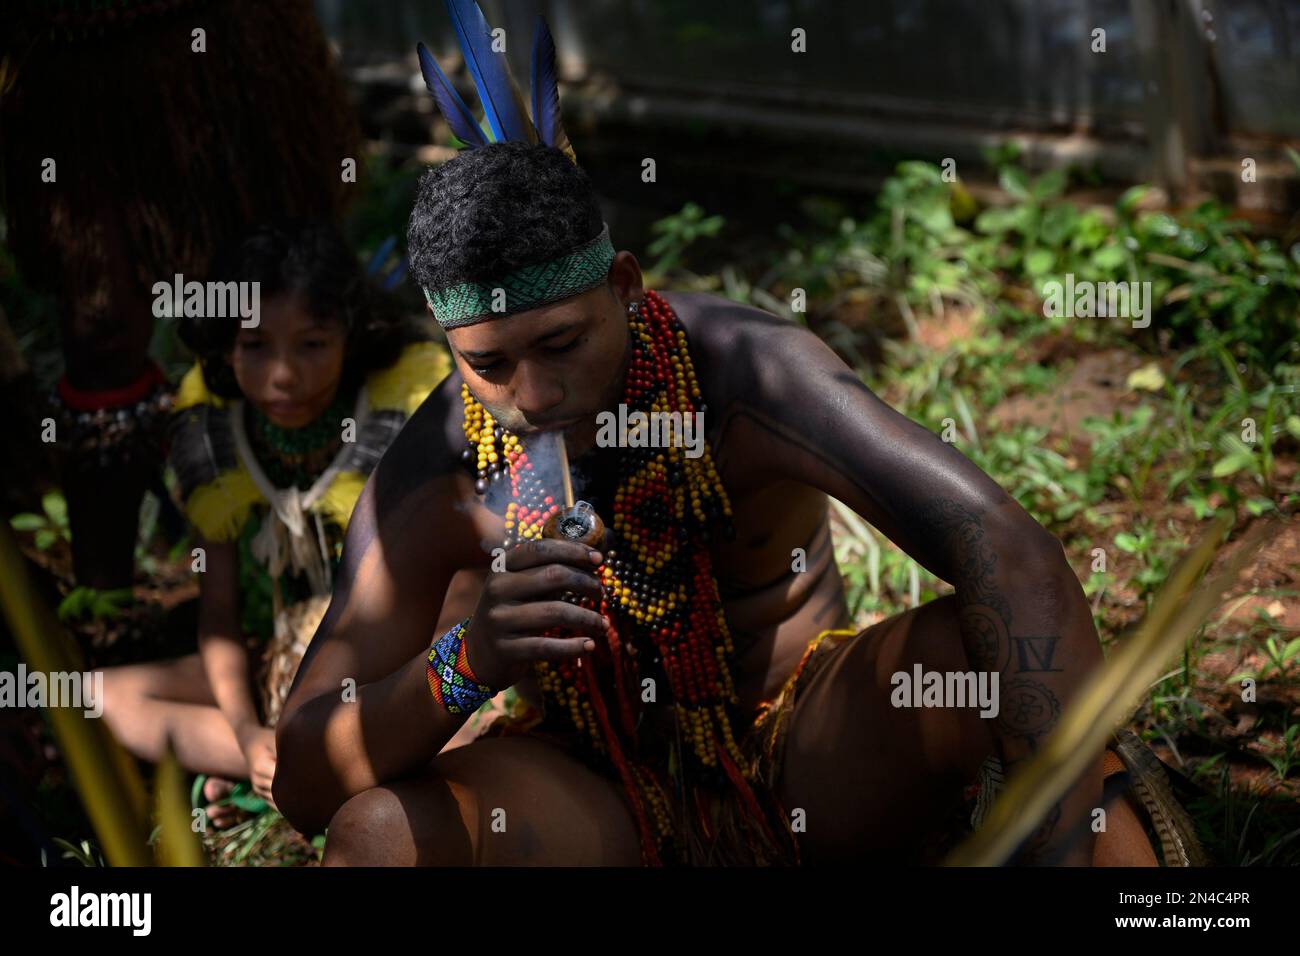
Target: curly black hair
{"points": [[496, 208], [309, 259]]}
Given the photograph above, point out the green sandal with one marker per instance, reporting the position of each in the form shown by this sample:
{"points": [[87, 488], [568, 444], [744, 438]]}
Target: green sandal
{"points": [[242, 796]]}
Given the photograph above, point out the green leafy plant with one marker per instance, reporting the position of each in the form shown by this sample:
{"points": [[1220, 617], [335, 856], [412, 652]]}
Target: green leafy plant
{"points": [[82, 602], [1126, 450], [1279, 660], [49, 527], [677, 232], [928, 255], [1242, 830], [1030, 234], [1210, 280], [1044, 481], [1256, 458], [1288, 751], [1154, 555], [85, 853], [1217, 283]]}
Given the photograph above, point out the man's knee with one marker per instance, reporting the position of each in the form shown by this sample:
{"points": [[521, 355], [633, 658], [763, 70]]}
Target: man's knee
{"points": [[935, 639], [407, 824], [366, 830]]}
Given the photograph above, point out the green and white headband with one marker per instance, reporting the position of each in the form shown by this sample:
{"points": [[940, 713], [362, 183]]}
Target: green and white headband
{"points": [[575, 272]]}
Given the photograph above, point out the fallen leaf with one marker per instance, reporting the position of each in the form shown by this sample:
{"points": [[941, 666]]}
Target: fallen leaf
{"points": [[1149, 378]]}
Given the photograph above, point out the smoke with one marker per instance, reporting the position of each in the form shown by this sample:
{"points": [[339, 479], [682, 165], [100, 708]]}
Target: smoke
{"points": [[548, 461]]}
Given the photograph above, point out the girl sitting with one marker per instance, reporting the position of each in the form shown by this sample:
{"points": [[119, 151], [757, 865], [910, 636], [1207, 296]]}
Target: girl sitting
{"points": [[276, 428]]}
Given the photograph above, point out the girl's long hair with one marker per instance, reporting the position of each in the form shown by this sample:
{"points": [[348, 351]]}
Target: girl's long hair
{"points": [[312, 261]]}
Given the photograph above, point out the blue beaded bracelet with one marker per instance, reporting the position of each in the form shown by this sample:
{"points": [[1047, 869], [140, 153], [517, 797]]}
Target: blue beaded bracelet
{"points": [[451, 679]]}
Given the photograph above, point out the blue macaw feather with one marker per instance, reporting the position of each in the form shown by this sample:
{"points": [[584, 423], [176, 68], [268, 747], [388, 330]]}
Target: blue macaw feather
{"points": [[545, 86], [502, 104], [394, 278], [375, 266], [381, 256], [450, 103]]}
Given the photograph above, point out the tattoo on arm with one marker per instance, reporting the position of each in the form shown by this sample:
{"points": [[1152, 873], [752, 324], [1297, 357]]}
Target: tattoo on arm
{"points": [[1029, 710], [1037, 850], [985, 613], [1036, 653], [972, 556]]}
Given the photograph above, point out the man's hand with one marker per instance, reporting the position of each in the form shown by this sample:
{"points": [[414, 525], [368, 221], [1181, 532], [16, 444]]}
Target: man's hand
{"points": [[518, 604], [258, 746]]}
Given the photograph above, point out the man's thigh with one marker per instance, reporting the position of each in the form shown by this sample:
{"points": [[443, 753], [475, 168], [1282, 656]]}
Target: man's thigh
{"points": [[513, 801], [871, 778]]}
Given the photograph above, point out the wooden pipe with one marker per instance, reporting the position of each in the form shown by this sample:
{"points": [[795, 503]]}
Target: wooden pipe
{"points": [[579, 523]]}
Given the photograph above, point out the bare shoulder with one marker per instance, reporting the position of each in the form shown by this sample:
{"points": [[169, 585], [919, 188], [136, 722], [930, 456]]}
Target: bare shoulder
{"points": [[716, 322], [743, 352]]}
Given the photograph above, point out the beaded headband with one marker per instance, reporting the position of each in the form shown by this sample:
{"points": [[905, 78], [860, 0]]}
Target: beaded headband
{"points": [[567, 275]]}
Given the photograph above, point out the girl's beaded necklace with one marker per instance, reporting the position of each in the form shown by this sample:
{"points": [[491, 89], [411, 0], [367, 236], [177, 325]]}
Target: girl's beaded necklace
{"points": [[296, 457], [664, 614]]}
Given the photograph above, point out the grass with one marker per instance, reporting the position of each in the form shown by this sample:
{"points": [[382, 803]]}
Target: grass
{"points": [[266, 839]]}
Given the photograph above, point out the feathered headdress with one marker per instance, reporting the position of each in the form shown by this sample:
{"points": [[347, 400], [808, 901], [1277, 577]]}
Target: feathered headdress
{"points": [[503, 104], [577, 270]]}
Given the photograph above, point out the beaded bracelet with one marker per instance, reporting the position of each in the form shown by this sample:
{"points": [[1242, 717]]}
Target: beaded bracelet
{"points": [[451, 679]]}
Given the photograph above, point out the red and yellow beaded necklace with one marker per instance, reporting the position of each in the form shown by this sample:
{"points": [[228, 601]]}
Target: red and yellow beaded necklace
{"points": [[664, 614]]}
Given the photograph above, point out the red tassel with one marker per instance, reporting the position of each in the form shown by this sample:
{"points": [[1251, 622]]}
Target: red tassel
{"points": [[648, 849], [746, 794], [704, 817], [616, 654], [794, 843]]}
